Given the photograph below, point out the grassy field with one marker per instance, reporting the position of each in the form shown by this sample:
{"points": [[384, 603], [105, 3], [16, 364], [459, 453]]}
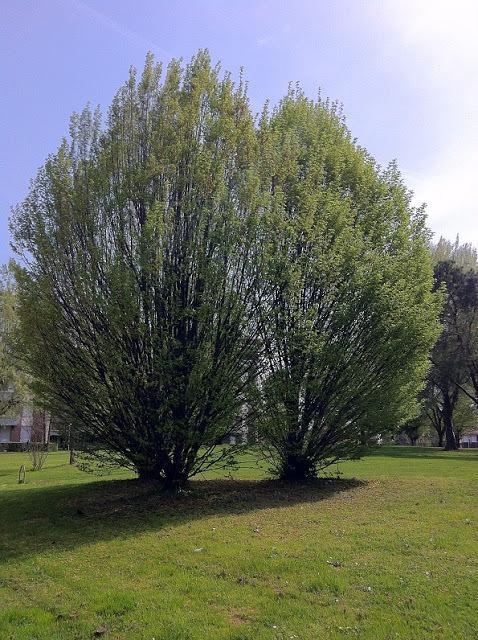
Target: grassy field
{"points": [[390, 551]]}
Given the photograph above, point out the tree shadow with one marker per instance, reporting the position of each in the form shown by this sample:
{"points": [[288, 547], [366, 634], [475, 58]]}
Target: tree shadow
{"points": [[63, 517]]}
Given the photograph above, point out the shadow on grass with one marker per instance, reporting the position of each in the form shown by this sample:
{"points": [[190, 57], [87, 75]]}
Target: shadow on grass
{"points": [[42, 520]]}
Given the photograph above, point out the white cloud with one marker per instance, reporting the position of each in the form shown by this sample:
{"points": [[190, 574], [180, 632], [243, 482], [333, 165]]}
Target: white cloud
{"points": [[439, 39], [449, 189], [109, 23]]}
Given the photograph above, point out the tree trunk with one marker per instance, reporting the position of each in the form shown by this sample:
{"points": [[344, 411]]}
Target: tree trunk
{"points": [[72, 456], [171, 480], [297, 469], [440, 439], [150, 474], [450, 440]]}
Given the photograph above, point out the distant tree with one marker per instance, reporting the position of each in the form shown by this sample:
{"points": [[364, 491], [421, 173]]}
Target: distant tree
{"points": [[455, 354], [464, 256], [38, 444], [346, 311], [465, 418], [464, 325], [414, 428], [10, 382], [135, 295], [433, 410], [457, 266]]}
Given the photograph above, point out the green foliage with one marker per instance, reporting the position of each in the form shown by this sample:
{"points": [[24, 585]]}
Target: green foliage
{"points": [[432, 407], [414, 428], [134, 297], [462, 324], [455, 355], [464, 256], [11, 383], [185, 271], [346, 311], [465, 417]]}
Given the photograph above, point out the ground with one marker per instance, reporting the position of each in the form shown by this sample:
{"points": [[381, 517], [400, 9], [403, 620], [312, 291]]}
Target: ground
{"points": [[390, 551]]}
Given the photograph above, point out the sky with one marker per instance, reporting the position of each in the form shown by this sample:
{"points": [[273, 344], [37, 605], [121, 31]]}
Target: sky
{"points": [[405, 71]]}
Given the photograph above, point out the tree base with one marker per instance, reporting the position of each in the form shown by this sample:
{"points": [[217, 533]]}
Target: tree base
{"points": [[297, 471], [297, 479], [161, 479]]}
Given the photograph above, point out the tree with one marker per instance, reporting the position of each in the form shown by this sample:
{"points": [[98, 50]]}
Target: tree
{"points": [[452, 355], [414, 428], [455, 354], [464, 256], [464, 326], [39, 440], [346, 312], [136, 286], [433, 410], [465, 418], [10, 382], [457, 266]]}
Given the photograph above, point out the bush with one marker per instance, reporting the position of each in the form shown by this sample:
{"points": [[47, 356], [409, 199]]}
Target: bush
{"points": [[150, 352], [346, 310], [13, 447], [190, 266], [21, 447]]}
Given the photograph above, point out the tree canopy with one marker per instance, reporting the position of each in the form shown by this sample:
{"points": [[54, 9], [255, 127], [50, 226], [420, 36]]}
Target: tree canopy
{"points": [[346, 310], [135, 301], [186, 270], [453, 378]]}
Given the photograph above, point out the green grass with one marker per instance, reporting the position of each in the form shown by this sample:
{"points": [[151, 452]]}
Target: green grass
{"points": [[392, 554]]}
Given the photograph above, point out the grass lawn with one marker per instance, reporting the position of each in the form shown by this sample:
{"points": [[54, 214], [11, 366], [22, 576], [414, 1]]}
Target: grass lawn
{"points": [[389, 552]]}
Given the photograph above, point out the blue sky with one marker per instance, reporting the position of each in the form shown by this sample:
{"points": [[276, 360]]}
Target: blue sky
{"points": [[405, 70]]}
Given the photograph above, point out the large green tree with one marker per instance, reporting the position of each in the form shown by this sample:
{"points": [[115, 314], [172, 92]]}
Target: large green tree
{"points": [[346, 311], [136, 287]]}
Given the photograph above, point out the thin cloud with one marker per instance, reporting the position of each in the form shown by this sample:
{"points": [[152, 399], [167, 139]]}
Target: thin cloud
{"points": [[125, 32]]}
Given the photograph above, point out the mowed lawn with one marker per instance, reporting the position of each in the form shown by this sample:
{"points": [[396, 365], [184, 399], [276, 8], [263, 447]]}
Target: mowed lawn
{"points": [[389, 552]]}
